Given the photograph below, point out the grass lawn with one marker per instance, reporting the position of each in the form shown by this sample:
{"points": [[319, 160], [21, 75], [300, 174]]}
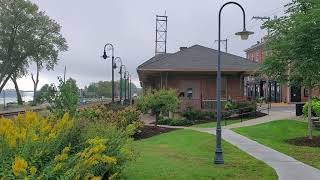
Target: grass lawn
{"points": [[275, 133], [187, 154], [214, 124]]}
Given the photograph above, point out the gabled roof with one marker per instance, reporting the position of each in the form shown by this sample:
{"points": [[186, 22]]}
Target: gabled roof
{"points": [[197, 58]]}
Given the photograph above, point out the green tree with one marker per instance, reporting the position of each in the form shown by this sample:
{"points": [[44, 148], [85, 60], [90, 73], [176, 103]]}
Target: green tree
{"points": [[46, 92], [65, 97], [294, 47], [159, 102], [26, 35]]}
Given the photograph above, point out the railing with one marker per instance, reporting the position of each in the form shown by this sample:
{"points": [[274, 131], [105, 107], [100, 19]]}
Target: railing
{"points": [[186, 103]]}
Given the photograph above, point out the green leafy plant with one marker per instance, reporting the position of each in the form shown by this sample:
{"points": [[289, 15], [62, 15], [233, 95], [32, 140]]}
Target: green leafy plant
{"points": [[176, 122], [64, 98], [159, 102], [315, 107]]}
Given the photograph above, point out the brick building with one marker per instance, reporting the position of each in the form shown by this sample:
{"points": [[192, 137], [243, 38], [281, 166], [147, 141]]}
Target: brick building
{"points": [[192, 71], [278, 92]]}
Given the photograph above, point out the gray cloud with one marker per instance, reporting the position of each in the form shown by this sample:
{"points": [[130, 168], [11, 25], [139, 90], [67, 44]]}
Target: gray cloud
{"points": [[130, 26]]}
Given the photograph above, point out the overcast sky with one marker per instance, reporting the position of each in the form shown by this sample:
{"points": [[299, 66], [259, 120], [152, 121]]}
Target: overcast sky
{"points": [[130, 25]]}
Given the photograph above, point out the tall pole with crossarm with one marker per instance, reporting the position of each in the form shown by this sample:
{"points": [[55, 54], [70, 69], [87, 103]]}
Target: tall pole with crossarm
{"points": [[105, 56], [218, 159]]}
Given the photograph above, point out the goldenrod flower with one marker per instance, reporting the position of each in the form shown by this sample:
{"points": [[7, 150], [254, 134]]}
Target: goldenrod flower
{"points": [[96, 178], [19, 166], [61, 157], [109, 160], [33, 170], [57, 167], [66, 150]]}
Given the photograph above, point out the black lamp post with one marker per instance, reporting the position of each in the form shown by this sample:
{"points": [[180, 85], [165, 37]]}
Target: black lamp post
{"points": [[122, 70], [218, 159], [128, 86], [118, 59], [126, 74], [130, 94], [105, 56]]}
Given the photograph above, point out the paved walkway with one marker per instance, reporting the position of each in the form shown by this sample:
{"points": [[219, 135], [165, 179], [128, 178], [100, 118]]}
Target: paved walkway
{"points": [[273, 116], [286, 167]]}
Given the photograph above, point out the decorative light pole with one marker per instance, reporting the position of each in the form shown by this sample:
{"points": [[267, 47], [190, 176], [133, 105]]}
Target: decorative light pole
{"points": [[130, 94], [118, 59], [105, 56], [122, 70], [128, 86], [126, 74], [218, 159]]}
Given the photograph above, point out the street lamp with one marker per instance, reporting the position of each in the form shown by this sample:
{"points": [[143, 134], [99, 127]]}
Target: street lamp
{"points": [[130, 94], [118, 59], [122, 70], [105, 56], [126, 75], [218, 159]]}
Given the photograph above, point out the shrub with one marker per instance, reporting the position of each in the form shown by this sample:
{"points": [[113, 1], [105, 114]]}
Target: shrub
{"points": [[159, 102], [64, 98], [34, 147], [246, 107], [176, 122], [192, 114], [315, 107]]}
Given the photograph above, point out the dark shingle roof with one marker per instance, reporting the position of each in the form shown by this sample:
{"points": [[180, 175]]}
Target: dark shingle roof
{"points": [[197, 58]]}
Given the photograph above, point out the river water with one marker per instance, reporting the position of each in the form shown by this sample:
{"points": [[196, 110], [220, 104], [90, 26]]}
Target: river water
{"points": [[26, 97]]}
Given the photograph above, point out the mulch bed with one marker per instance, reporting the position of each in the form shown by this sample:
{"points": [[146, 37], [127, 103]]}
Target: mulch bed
{"points": [[149, 131], [305, 141]]}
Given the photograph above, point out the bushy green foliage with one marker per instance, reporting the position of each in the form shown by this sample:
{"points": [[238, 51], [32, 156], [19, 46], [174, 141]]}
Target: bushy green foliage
{"points": [[315, 107], [65, 98], [176, 122], [193, 115], [159, 102], [45, 92], [94, 145], [36, 147]]}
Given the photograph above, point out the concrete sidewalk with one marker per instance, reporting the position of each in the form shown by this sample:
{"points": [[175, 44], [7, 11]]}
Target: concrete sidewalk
{"points": [[286, 167], [273, 116]]}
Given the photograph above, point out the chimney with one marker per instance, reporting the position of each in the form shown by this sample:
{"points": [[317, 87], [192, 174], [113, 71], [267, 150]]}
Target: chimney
{"points": [[183, 48]]}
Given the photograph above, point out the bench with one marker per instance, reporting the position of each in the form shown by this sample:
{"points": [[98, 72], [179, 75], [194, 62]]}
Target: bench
{"points": [[316, 122]]}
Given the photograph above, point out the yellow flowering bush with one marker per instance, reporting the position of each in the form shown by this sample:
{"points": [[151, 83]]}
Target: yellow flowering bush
{"points": [[35, 147]]}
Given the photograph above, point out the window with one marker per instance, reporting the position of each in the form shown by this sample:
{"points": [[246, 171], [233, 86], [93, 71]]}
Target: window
{"points": [[306, 92], [189, 93]]}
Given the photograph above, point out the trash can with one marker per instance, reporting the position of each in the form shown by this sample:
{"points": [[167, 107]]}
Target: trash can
{"points": [[299, 109]]}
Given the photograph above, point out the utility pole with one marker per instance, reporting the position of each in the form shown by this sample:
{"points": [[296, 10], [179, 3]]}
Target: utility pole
{"points": [[225, 41], [268, 90], [263, 19], [64, 74]]}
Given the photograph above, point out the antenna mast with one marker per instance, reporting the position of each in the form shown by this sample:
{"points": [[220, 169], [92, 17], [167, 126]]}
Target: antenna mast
{"points": [[161, 34]]}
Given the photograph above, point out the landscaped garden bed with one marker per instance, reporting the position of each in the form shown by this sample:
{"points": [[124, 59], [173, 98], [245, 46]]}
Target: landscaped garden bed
{"points": [[305, 141], [288, 137], [149, 131]]}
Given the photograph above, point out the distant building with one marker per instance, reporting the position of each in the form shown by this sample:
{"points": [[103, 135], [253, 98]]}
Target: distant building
{"points": [[192, 71], [278, 93]]}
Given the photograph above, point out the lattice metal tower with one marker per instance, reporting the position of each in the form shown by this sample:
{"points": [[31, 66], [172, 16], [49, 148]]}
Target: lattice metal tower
{"points": [[161, 34]]}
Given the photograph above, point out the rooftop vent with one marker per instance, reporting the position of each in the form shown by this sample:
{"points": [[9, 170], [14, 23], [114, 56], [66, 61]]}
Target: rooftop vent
{"points": [[183, 48]]}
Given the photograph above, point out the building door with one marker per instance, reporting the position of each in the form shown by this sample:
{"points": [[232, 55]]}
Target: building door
{"points": [[295, 94], [191, 94]]}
